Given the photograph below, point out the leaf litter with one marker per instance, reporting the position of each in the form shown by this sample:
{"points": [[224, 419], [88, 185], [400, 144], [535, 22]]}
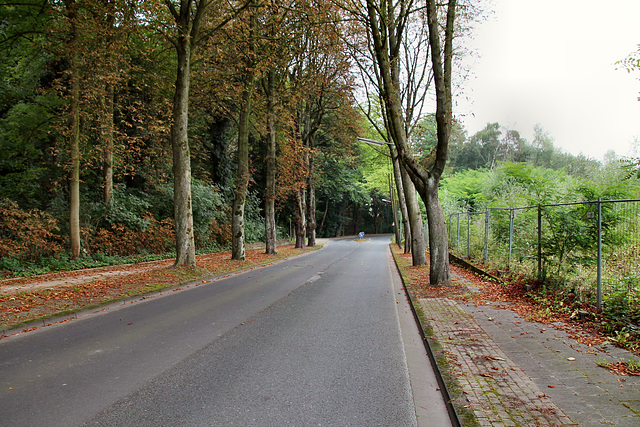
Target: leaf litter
{"points": [[24, 300]]}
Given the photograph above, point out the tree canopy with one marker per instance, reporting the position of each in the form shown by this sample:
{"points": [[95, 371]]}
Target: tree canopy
{"points": [[146, 127]]}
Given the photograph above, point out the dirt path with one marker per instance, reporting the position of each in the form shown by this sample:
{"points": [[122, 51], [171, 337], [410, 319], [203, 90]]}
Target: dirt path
{"points": [[66, 279], [72, 278]]}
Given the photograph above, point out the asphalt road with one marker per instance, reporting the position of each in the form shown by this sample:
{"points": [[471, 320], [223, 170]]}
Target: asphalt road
{"points": [[315, 340]]}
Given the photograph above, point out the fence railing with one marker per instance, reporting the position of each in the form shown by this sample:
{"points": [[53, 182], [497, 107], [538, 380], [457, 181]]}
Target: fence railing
{"points": [[591, 247]]}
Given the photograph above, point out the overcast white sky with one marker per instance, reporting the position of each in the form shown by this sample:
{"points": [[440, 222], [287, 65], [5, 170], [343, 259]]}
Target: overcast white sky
{"points": [[553, 62]]}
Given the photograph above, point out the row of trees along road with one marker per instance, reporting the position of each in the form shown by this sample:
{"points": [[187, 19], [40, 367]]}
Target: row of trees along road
{"points": [[410, 45], [118, 98]]}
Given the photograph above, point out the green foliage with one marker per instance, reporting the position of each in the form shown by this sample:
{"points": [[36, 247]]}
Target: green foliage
{"points": [[424, 138], [468, 189], [253, 220], [375, 166], [622, 300], [26, 114], [569, 230], [494, 144], [208, 208], [341, 191], [131, 208], [517, 184], [128, 208]]}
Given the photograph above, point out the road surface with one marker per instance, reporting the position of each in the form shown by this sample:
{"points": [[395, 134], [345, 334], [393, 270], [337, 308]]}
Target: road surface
{"points": [[322, 339]]}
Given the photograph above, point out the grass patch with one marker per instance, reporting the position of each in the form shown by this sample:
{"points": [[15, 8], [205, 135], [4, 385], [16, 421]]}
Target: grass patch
{"points": [[629, 367]]}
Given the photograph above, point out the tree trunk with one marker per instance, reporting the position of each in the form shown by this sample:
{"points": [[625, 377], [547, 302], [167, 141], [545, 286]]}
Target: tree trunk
{"points": [[270, 190], [107, 131], [418, 248], [438, 244], [311, 207], [377, 218], [183, 213], [425, 176], [74, 164], [300, 218], [394, 207], [397, 175], [74, 135], [242, 174]]}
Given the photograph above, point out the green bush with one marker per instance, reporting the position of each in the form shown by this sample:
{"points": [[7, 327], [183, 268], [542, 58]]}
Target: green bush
{"points": [[253, 219]]}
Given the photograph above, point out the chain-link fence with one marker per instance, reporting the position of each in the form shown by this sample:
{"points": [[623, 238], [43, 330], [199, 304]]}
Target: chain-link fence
{"points": [[591, 248]]}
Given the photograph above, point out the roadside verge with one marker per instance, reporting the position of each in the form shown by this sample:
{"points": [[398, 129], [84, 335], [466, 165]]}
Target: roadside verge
{"points": [[502, 369], [30, 303]]}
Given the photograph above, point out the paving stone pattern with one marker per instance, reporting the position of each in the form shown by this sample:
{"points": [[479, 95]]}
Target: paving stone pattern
{"points": [[519, 373]]}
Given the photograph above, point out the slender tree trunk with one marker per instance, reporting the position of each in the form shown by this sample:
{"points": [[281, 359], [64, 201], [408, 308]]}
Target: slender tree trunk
{"points": [[300, 218], [311, 222], [418, 248], [107, 127], [183, 213], [394, 207], [377, 218], [397, 175], [270, 190], [107, 104], [74, 166], [74, 136], [242, 175]]}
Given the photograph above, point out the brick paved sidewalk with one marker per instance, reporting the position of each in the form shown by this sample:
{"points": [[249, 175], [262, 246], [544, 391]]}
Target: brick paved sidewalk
{"points": [[520, 373]]}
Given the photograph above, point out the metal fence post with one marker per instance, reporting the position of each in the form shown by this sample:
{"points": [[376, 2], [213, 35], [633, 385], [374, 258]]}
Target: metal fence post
{"points": [[468, 235], [539, 242], [599, 273], [486, 236], [511, 220], [458, 232]]}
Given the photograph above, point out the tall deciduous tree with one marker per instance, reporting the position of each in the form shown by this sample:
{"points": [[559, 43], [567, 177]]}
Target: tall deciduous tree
{"points": [[242, 173], [321, 76], [74, 126], [188, 19], [400, 81], [280, 31], [270, 160], [188, 16], [387, 22], [427, 176], [82, 19]]}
